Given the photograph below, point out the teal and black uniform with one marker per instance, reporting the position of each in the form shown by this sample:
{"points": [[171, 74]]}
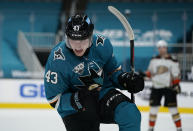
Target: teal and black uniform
{"points": [[62, 78]]}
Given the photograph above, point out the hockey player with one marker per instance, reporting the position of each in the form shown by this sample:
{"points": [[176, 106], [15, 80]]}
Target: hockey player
{"points": [[81, 75], [165, 75]]}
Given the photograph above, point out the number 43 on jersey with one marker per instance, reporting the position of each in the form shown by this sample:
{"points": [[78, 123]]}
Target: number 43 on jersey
{"points": [[51, 77]]}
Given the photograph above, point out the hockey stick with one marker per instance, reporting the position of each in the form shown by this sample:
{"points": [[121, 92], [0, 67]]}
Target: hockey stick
{"points": [[130, 33]]}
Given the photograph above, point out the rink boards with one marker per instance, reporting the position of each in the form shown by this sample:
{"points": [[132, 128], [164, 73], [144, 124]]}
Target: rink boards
{"points": [[27, 93]]}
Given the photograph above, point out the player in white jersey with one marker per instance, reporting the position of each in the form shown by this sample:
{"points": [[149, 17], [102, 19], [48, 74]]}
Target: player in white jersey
{"points": [[165, 75]]}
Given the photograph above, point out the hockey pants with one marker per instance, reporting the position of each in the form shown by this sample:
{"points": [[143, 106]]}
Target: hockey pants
{"points": [[127, 116]]}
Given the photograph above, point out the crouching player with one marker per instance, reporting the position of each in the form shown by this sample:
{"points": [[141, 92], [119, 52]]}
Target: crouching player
{"points": [[81, 75]]}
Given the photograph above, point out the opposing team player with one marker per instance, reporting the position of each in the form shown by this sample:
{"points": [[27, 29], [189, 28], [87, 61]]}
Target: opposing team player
{"points": [[165, 75], [81, 75]]}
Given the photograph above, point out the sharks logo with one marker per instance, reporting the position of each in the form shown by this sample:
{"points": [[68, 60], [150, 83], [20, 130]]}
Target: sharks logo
{"points": [[100, 40], [92, 79], [58, 55]]}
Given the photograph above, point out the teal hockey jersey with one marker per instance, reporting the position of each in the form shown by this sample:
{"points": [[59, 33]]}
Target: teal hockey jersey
{"points": [[64, 68]]}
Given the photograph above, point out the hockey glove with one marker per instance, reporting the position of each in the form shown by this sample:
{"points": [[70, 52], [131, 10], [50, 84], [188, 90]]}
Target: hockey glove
{"points": [[84, 100], [177, 88], [87, 97], [133, 83]]}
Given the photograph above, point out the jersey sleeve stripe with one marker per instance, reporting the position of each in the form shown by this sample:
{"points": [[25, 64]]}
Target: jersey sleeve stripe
{"points": [[53, 102], [58, 102], [118, 69]]}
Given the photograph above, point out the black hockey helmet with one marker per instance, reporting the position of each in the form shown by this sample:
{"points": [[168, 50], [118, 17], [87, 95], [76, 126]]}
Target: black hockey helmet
{"points": [[79, 27]]}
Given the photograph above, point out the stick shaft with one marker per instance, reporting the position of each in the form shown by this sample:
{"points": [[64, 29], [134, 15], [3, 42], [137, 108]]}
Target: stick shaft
{"points": [[129, 30], [132, 64]]}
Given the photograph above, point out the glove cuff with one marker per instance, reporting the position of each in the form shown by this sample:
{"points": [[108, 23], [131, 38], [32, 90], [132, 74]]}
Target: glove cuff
{"points": [[75, 101], [122, 79]]}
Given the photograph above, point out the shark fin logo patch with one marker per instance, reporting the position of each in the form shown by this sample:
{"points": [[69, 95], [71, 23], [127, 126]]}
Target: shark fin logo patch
{"points": [[58, 55]]}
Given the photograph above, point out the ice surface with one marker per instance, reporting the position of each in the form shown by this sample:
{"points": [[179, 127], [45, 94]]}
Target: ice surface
{"points": [[49, 120]]}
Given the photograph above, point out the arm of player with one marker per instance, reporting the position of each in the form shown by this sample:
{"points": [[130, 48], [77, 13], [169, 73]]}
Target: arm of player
{"points": [[57, 88], [175, 72], [123, 80], [114, 70], [111, 68]]}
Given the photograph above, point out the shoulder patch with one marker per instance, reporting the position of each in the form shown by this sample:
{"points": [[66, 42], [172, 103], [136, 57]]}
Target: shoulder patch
{"points": [[100, 40], [58, 55], [79, 69]]}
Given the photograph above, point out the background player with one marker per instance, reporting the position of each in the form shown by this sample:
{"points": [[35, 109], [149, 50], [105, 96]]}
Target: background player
{"points": [[80, 79], [165, 75]]}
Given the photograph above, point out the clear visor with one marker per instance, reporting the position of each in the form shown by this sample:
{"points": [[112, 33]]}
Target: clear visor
{"points": [[67, 39]]}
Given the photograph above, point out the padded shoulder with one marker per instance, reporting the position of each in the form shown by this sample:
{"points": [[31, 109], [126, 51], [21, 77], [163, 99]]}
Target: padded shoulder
{"points": [[156, 57], [173, 58], [103, 46], [57, 57]]}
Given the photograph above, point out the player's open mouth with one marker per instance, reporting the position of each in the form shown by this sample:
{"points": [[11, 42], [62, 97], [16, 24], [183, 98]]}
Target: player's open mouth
{"points": [[78, 51]]}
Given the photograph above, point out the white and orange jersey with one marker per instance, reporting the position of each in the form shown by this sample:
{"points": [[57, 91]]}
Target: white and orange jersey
{"points": [[164, 72]]}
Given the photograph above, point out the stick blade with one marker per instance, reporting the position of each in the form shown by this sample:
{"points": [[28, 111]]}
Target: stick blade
{"points": [[123, 20]]}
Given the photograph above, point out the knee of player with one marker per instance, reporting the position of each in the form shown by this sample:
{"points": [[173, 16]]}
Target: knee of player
{"points": [[136, 116], [127, 113]]}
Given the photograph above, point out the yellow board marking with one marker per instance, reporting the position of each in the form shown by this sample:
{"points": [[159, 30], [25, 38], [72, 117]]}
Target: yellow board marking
{"points": [[25, 105], [164, 109], [47, 106]]}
